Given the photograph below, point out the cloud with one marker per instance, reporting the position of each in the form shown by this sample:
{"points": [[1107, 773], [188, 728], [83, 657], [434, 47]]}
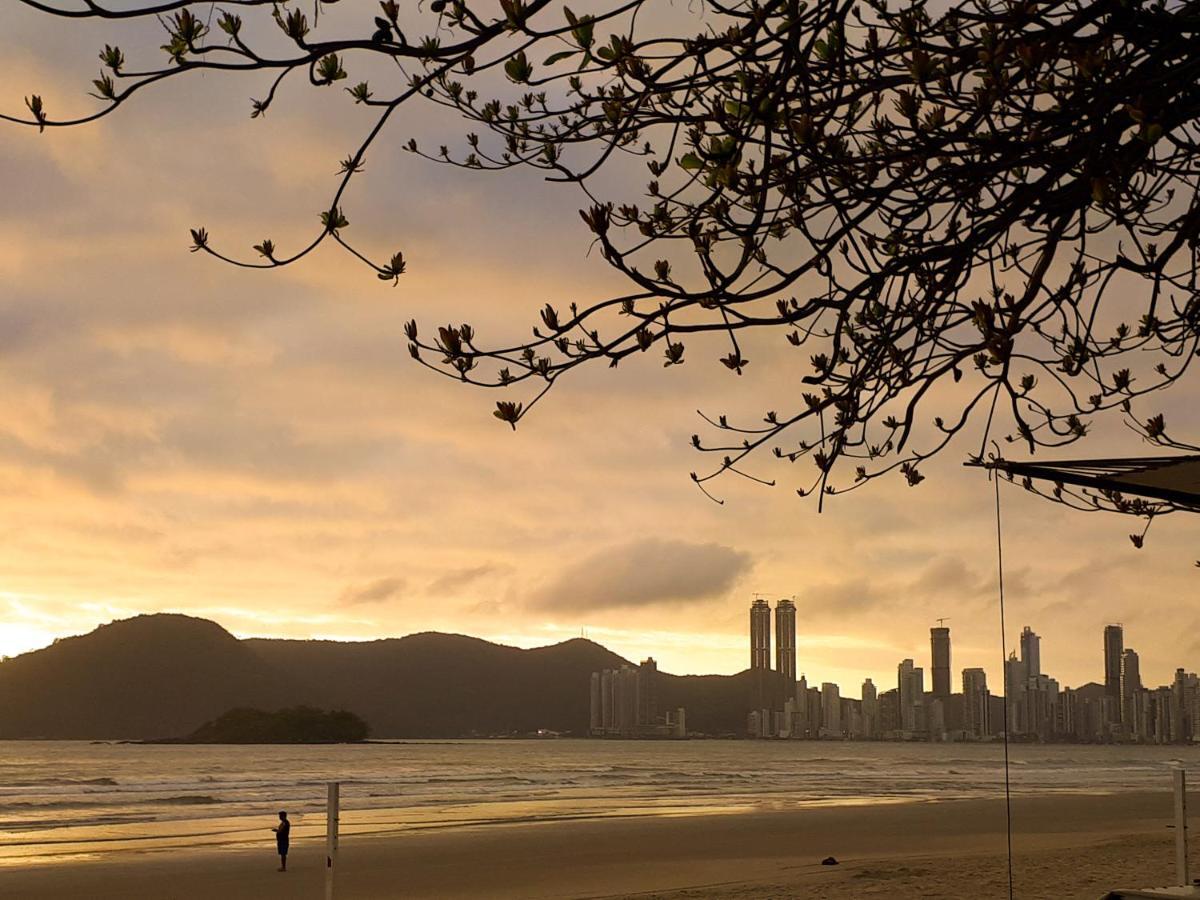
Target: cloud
{"points": [[852, 596], [456, 579], [943, 578], [644, 573], [947, 575], [372, 592]]}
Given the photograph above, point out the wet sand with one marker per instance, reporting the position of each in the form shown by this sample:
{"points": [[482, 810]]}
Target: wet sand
{"points": [[1065, 847]]}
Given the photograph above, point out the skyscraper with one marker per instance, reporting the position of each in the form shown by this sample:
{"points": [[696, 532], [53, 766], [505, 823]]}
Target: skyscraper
{"points": [[785, 640], [647, 691], [917, 695], [1016, 683], [831, 710], [939, 642], [624, 703], [1031, 652], [1131, 686], [1114, 646], [870, 710], [760, 635], [618, 702], [975, 703], [597, 705], [868, 690], [910, 684], [904, 683], [1184, 692]]}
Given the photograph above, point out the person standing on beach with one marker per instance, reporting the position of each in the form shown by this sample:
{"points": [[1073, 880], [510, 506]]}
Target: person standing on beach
{"points": [[283, 832]]}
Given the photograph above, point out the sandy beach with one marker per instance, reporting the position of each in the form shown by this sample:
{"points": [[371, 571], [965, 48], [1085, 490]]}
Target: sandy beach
{"points": [[1065, 846]]}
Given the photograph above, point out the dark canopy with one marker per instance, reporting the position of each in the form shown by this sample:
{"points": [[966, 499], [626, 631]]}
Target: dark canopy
{"points": [[1175, 479]]}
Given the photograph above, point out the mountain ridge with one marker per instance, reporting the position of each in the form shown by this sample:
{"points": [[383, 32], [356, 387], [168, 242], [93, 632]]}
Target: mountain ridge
{"points": [[162, 675]]}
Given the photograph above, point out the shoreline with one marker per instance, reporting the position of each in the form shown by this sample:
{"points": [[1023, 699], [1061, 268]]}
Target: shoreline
{"points": [[697, 737], [107, 839], [936, 845]]}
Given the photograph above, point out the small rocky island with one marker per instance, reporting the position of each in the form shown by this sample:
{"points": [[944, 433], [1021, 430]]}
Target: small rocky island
{"points": [[296, 725]]}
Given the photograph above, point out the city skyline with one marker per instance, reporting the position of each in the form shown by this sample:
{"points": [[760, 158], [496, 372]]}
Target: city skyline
{"points": [[1030, 704], [654, 642]]}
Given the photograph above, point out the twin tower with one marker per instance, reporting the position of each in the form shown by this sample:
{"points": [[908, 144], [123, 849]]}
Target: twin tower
{"points": [[785, 637]]}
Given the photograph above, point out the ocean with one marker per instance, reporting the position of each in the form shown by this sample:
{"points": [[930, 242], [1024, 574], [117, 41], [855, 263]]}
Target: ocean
{"points": [[62, 799]]}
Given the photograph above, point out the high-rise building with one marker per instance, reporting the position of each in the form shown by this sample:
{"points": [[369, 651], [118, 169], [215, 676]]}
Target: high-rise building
{"points": [[917, 693], [597, 705], [760, 635], [869, 707], [889, 713], [1031, 652], [1131, 686], [1184, 691], [800, 725], [831, 710], [904, 687], [785, 640], [618, 702], [624, 703], [647, 691], [910, 685], [1114, 646], [812, 711], [1016, 681], [852, 719], [939, 642], [1163, 726], [1041, 708], [976, 701]]}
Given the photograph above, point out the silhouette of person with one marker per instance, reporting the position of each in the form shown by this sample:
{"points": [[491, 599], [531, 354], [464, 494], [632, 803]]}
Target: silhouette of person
{"points": [[283, 832]]}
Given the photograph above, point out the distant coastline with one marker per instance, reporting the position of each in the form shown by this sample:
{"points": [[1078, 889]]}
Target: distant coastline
{"points": [[164, 676]]}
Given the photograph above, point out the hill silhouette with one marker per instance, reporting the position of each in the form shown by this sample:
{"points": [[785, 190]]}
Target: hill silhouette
{"points": [[164, 675], [297, 725], [150, 676]]}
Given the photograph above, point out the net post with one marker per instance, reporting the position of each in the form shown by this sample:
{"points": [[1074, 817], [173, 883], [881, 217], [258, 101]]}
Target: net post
{"points": [[1181, 852], [332, 801]]}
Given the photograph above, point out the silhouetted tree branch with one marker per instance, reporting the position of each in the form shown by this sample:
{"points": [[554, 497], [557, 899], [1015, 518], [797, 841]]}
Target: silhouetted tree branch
{"points": [[991, 210]]}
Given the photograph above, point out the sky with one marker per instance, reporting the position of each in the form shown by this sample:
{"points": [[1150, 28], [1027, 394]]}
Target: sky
{"points": [[258, 448]]}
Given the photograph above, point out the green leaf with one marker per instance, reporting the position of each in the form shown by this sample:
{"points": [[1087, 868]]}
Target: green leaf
{"points": [[691, 162], [329, 69], [518, 69], [333, 219], [104, 85], [583, 32], [558, 57], [112, 57]]}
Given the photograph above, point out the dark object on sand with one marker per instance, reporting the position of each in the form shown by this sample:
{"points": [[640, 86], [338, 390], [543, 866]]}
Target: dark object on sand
{"points": [[829, 861]]}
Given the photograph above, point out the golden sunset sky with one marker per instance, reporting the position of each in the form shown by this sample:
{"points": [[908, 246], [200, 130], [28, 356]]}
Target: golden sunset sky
{"points": [[258, 448]]}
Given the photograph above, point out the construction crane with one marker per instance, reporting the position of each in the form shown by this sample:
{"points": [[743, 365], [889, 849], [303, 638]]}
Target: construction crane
{"points": [[942, 622]]}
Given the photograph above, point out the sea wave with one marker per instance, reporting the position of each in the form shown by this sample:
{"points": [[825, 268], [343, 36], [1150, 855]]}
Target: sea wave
{"points": [[66, 782], [76, 821], [52, 804]]}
